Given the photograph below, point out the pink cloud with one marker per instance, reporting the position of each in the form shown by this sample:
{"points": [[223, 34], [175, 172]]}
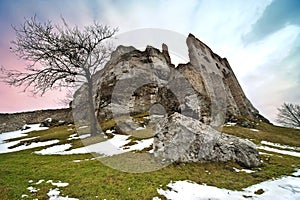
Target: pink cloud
{"points": [[14, 99]]}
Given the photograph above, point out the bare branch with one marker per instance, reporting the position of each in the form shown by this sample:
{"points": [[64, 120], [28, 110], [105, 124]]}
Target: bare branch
{"points": [[289, 115], [57, 55]]}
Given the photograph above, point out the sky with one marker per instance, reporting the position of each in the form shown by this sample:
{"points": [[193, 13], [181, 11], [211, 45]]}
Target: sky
{"points": [[260, 39]]}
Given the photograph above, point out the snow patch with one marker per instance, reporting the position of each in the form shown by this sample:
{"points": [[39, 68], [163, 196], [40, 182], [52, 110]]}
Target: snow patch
{"points": [[53, 194], [284, 152], [58, 184], [76, 136], [87, 159], [113, 146], [32, 189], [248, 171], [297, 173], [109, 131], [280, 145], [287, 187], [40, 181], [4, 148], [82, 127], [142, 144], [54, 150], [230, 124], [156, 198]]}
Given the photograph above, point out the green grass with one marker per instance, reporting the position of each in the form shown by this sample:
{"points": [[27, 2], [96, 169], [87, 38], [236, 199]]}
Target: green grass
{"points": [[142, 134], [88, 179], [267, 132]]}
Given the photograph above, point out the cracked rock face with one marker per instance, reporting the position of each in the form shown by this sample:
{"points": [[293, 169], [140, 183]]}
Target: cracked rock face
{"points": [[133, 81], [183, 139], [183, 102]]}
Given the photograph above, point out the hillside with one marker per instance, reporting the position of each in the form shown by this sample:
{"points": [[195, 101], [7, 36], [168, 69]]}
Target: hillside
{"points": [[27, 173]]}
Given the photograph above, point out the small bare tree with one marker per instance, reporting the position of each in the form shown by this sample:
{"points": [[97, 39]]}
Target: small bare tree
{"points": [[289, 115], [59, 56]]}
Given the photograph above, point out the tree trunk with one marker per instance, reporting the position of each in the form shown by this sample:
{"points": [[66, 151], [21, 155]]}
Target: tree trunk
{"points": [[94, 128]]}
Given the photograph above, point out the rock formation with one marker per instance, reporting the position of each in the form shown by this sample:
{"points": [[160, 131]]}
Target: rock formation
{"points": [[184, 139], [204, 91], [133, 81]]}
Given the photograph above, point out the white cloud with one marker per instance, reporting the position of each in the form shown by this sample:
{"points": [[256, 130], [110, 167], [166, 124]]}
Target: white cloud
{"points": [[259, 69]]}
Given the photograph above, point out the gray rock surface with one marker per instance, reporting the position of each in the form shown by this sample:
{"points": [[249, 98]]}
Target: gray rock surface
{"points": [[133, 81], [183, 139]]}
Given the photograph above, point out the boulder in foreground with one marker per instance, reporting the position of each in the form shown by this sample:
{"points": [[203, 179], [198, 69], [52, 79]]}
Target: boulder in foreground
{"points": [[183, 139]]}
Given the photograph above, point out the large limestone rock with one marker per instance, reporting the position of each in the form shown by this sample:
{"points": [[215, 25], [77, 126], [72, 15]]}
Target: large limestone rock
{"points": [[184, 139], [133, 81], [204, 91]]}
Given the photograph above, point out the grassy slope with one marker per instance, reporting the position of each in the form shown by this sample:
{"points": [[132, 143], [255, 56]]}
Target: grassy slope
{"points": [[88, 179]]}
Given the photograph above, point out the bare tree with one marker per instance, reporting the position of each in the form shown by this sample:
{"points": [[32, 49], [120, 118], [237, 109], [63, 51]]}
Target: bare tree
{"points": [[59, 56], [289, 115]]}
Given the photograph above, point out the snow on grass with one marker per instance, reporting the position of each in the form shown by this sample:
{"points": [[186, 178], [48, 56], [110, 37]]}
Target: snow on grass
{"points": [[84, 136], [20, 133], [230, 124], [4, 148], [296, 173], [32, 189], [248, 171], [284, 152], [287, 187], [263, 153], [156, 198], [280, 145], [57, 149], [40, 181], [82, 127], [109, 131], [58, 184], [109, 147], [87, 159], [53, 194], [76, 136], [73, 137], [255, 130], [142, 144]]}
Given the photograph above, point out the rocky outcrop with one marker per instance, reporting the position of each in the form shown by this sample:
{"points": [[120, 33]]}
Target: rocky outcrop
{"points": [[14, 121], [189, 100], [133, 81], [184, 139], [220, 83]]}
